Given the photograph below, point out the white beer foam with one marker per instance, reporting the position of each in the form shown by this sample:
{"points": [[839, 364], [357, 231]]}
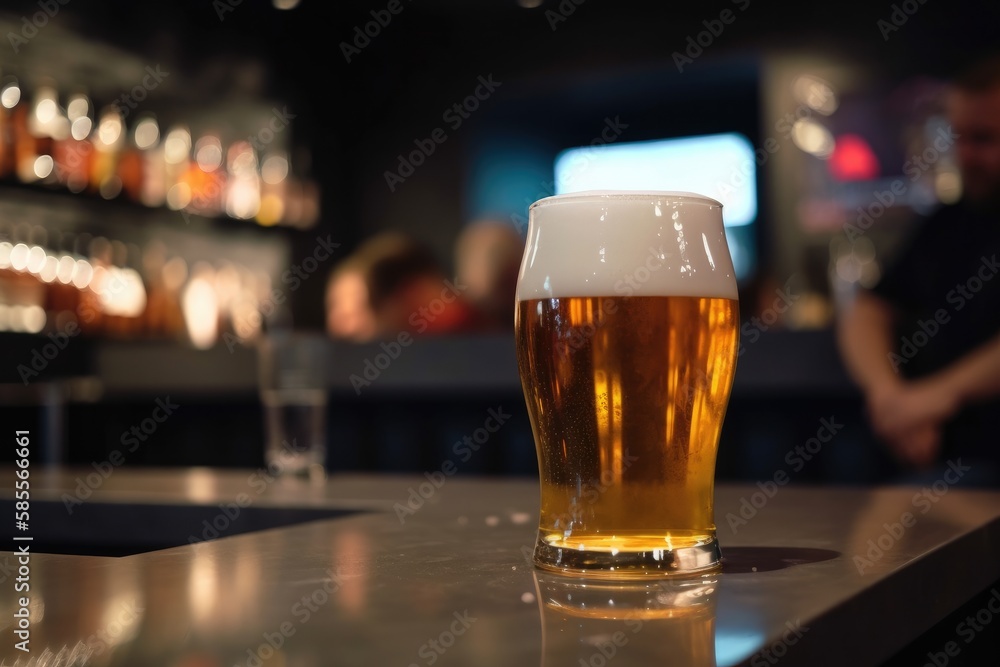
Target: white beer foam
{"points": [[622, 243]]}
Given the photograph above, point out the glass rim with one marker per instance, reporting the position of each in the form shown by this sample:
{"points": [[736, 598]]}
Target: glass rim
{"points": [[624, 195]]}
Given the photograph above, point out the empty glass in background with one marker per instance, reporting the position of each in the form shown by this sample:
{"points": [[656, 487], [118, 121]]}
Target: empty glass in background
{"points": [[292, 372]]}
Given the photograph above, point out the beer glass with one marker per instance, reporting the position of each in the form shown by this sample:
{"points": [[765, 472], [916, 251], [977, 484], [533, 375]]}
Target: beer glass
{"points": [[626, 325]]}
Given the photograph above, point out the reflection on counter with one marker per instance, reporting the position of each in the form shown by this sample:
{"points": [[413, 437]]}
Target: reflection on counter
{"points": [[590, 622]]}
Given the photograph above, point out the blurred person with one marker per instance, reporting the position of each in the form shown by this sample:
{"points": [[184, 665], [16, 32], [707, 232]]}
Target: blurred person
{"points": [[487, 260], [924, 343], [348, 313], [393, 284]]}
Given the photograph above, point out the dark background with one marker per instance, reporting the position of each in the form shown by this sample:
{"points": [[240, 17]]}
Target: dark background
{"points": [[606, 59]]}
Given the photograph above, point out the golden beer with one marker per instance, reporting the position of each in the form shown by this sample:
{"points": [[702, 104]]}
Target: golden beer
{"points": [[627, 389]]}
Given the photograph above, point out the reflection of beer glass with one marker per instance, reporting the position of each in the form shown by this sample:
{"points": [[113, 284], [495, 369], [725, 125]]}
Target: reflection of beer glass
{"points": [[591, 622], [626, 328]]}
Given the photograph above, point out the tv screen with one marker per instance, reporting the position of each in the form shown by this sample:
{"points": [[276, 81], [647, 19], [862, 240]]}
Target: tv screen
{"points": [[720, 166]]}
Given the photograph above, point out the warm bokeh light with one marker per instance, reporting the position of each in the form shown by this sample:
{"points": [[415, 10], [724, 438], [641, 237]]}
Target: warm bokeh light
{"points": [[812, 137], [81, 128], [177, 145], [201, 309], [146, 133], [178, 196], [83, 274], [208, 153], [243, 200], [274, 169], [19, 257], [175, 272], [36, 259], [815, 93], [122, 292], [43, 166], [10, 95], [109, 130], [64, 272], [78, 107]]}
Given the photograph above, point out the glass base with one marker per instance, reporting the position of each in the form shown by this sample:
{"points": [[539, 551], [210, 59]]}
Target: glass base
{"points": [[605, 563]]}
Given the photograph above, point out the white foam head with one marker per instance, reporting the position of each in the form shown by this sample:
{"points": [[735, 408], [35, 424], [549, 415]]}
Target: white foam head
{"points": [[621, 243]]}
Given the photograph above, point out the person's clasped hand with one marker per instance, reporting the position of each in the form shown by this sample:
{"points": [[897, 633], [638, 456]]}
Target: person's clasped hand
{"points": [[910, 417]]}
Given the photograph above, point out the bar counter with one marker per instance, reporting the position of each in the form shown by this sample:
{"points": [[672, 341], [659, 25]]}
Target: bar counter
{"points": [[433, 570]]}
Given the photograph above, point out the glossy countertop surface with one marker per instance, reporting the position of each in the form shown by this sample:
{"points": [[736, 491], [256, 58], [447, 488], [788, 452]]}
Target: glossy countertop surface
{"points": [[813, 576]]}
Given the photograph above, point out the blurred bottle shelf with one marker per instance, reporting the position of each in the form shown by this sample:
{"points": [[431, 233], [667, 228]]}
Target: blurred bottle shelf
{"points": [[778, 363], [52, 206], [140, 201]]}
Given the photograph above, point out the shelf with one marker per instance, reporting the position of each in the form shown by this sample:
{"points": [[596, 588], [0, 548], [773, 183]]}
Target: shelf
{"points": [[803, 363], [42, 204]]}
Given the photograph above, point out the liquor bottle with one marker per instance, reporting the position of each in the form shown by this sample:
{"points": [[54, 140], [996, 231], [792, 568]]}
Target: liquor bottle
{"points": [[74, 154], [108, 139]]}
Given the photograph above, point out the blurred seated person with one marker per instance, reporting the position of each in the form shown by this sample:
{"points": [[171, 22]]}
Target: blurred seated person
{"points": [[487, 260], [349, 315], [924, 343], [392, 284]]}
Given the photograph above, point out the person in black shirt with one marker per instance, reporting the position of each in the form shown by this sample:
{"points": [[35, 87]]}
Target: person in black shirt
{"points": [[924, 344]]}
